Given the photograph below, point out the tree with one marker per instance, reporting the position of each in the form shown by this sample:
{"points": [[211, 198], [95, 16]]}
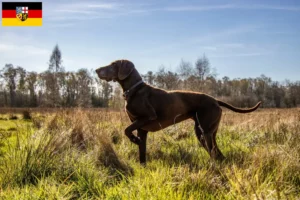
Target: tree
{"points": [[185, 69], [106, 92], [118, 100], [54, 78], [149, 77], [22, 76], [226, 91], [278, 94], [55, 62], [31, 80], [84, 80], [71, 89], [51, 93], [3, 92], [202, 67], [167, 80], [10, 75]]}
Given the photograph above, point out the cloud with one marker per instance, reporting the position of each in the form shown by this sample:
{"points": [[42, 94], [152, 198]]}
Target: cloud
{"points": [[272, 7], [249, 54], [91, 10], [23, 49], [77, 11], [206, 40], [15, 37], [226, 46], [226, 33], [30, 57], [60, 25], [200, 8], [104, 6], [81, 11], [85, 8], [183, 8]]}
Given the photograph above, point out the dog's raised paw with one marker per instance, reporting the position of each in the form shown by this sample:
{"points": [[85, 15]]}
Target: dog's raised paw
{"points": [[135, 140]]}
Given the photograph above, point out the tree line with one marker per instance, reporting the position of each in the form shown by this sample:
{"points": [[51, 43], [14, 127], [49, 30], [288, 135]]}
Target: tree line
{"points": [[56, 87]]}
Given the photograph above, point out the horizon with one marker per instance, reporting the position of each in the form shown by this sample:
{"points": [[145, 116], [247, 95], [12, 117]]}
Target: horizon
{"points": [[240, 39]]}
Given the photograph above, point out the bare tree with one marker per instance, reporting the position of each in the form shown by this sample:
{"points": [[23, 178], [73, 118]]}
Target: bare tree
{"points": [[55, 62], [202, 67], [168, 80], [185, 69], [149, 77], [53, 78]]}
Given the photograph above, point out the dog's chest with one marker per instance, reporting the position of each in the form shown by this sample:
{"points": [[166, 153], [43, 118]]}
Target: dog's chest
{"points": [[134, 109]]}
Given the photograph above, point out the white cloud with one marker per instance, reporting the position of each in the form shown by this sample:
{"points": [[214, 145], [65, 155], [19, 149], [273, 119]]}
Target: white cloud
{"points": [[91, 10], [183, 8], [60, 25], [272, 7], [210, 48], [225, 46], [206, 41], [84, 8], [23, 50], [76, 11], [104, 6], [200, 8], [249, 54]]}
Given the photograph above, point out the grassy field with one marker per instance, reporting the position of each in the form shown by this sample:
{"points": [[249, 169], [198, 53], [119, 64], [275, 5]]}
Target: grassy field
{"points": [[83, 154]]}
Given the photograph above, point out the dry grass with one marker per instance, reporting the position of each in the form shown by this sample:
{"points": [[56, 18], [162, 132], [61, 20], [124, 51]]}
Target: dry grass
{"points": [[74, 153]]}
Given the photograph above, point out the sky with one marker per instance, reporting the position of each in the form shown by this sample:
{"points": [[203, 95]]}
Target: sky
{"points": [[240, 38]]}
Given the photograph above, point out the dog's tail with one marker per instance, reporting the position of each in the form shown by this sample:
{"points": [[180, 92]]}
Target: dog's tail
{"points": [[239, 110]]}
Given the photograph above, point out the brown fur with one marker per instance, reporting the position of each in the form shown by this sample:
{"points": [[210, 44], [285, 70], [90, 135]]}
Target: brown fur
{"points": [[152, 109]]}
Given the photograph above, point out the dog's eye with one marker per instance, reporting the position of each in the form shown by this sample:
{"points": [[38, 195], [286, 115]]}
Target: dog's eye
{"points": [[113, 65]]}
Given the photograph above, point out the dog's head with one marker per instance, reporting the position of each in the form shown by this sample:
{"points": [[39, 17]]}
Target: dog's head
{"points": [[116, 71]]}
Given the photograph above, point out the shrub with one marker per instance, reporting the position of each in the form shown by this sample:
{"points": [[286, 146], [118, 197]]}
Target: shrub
{"points": [[26, 115], [13, 117]]}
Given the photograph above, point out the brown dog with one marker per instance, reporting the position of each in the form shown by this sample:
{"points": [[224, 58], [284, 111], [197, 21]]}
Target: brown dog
{"points": [[152, 109]]}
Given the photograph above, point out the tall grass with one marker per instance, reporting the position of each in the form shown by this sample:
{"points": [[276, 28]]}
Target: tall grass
{"points": [[79, 154]]}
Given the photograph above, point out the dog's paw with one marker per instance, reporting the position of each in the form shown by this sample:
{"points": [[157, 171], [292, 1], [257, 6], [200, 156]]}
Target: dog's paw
{"points": [[135, 140]]}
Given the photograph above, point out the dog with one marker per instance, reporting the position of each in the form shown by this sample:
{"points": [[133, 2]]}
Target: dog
{"points": [[152, 109]]}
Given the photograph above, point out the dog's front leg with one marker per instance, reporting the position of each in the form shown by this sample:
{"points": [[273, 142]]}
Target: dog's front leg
{"points": [[134, 126], [142, 134]]}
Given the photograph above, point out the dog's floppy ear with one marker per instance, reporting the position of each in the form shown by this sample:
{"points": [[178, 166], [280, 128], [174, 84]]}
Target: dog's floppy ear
{"points": [[125, 69]]}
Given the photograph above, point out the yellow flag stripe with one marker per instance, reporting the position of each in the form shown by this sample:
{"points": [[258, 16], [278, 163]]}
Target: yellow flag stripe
{"points": [[17, 22]]}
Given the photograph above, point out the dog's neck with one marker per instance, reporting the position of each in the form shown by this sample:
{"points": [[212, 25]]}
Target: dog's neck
{"points": [[129, 82], [130, 85]]}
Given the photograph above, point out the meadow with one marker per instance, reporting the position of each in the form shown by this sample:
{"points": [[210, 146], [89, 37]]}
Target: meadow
{"points": [[84, 154]]}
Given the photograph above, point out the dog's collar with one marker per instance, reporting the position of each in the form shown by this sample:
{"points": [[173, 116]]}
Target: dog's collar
{"points": [[127, 94]]}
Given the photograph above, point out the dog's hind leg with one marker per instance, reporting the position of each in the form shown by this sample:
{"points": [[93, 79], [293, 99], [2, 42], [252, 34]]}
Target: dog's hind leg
{"points": [[206, 127], [200, 133], [142, 146], [216, 153]]}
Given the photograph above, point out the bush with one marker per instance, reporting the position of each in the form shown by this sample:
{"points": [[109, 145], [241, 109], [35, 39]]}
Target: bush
{"points": [[13, 117], [27, 115]]}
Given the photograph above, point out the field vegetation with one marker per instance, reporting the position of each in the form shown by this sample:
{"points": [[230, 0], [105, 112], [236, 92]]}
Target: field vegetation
{"points": [[84, 154]]}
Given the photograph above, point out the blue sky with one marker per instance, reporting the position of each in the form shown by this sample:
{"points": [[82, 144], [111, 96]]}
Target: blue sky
{"points": [[240, 38]]}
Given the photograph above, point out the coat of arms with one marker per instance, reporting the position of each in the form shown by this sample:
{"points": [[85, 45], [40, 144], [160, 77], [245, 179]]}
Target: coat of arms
{"points": [[22, 13]]}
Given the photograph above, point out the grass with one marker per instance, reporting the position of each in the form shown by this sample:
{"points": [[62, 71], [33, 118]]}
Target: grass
{"points": [[83, 154]]}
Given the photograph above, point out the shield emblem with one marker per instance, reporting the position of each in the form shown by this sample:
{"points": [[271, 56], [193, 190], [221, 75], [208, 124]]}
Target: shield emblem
{"points": [[22, 13]]}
